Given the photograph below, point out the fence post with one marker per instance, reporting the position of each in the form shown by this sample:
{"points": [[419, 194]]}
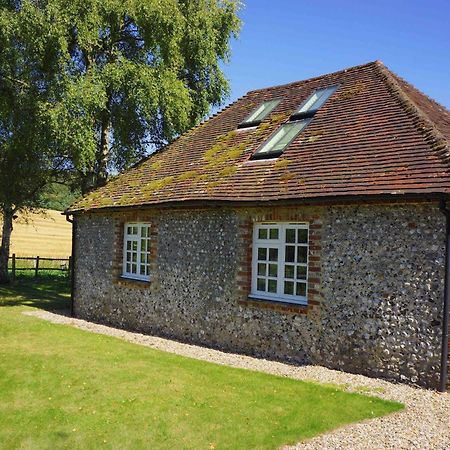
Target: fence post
{"points": [[36, 267], [13, 266]]}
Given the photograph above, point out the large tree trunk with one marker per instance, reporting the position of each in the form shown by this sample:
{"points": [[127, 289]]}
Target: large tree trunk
{"points": [[6, 242], [103, 152]]}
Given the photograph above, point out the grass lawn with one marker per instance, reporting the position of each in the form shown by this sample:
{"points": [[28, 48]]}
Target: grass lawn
{"points": [[61, 387]]}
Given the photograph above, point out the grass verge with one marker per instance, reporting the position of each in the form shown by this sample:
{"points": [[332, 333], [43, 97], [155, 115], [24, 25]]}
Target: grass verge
{"points": [[61, 387]]}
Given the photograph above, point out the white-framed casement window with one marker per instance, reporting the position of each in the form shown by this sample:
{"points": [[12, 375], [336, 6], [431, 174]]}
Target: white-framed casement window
{"points": [[136, 251], [280, 262]]}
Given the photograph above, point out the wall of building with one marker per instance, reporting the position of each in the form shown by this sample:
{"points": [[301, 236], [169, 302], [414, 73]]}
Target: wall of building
{"points": [[375, 285]]}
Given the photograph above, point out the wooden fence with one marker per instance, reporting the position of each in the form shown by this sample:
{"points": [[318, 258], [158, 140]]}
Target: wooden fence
{"points": [[38, 263]]}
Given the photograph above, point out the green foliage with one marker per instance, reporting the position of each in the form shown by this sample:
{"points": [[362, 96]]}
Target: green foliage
{"points": [[29, 159], [132, 75], [58, 196], [128, 396]]}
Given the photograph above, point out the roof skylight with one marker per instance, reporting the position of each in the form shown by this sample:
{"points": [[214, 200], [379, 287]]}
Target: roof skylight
{"points": [[261, 112], [310, 106], [279, 140]]}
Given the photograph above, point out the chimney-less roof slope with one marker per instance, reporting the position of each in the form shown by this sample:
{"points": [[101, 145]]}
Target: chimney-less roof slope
{"points": [[375, 135]]}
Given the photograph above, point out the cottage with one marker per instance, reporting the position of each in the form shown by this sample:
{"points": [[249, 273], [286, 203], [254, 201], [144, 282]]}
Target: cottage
{"points": [[303, 223]]}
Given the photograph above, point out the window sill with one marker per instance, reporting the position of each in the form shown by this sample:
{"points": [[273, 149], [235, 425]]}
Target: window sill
{"points": [[133, 282], [275, 305]]}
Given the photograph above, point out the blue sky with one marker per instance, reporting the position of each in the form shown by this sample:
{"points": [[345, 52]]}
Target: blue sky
{"points": [[288, 40]]}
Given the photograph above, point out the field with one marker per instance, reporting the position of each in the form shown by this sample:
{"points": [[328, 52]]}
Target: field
{"points": [[46, 234], [61, 387]]}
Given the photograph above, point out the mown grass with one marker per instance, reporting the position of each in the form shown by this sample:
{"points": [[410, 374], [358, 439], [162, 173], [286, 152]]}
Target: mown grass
{"points": [[61, 387]]}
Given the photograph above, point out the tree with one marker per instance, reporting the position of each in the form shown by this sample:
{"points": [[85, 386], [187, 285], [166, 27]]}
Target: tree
{"points": [[90, 86], [133, 75], [26, 159]]}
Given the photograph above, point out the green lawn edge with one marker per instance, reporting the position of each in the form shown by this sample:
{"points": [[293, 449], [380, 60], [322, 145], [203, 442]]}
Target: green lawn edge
{"points": [[62, 387]]}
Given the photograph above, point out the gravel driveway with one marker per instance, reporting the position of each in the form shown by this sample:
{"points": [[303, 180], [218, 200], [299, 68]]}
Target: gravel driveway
{"points": [[424, 424]]}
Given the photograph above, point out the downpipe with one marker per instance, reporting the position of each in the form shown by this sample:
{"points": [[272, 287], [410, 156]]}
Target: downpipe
{"points": [[444, 351]]}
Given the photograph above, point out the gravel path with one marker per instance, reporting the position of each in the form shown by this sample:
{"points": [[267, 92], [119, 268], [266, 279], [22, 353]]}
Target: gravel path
{"points": [[424, 424]]}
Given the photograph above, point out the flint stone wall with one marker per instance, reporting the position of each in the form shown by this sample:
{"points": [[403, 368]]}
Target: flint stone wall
{"points": [[381, 287]]}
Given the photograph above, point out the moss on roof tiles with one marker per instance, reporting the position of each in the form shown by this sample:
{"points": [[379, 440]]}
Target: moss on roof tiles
{"points": [[188, 175], [213, 156], [281, 163]]}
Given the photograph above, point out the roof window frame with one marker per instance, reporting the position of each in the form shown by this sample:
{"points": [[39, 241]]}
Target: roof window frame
{"points": [[298, 114], [275, 154], [254, 123]]}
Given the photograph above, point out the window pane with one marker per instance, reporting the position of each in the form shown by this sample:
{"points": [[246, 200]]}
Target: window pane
{"points": [[283, 137], [134, 245], [272, 286], [134, 230], [128, 267], [274, 233], [289, 287], [262, 111], [290, 235], [142, 270], [273, 254], [301, 272], [262, 233], [273, 270], [262, 269], [302, 253], [147, 270], [128, 245], [290, 253], [143, 245], [289, 271], [134, 257], [133, 268], [261, 284], [262, 254], [310, 102], [317, 99], [301, 289], [128, 258], [302, 236]]}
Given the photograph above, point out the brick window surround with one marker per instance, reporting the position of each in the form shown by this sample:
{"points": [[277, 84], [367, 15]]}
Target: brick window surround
{"points": [[244, 275], [119, 222]]}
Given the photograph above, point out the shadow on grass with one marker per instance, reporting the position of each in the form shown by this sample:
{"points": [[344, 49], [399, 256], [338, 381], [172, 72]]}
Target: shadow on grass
{"points": [[47, 292]]}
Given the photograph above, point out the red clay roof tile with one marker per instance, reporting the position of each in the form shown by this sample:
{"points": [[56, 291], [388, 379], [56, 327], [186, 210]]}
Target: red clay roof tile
{"points": [[375, 135]]}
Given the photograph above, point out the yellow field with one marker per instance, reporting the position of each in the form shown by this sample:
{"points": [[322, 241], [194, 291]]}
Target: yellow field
{"points": [[45, 233]]}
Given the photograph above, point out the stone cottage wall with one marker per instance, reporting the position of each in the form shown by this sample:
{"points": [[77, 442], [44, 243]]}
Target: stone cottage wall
{"points": [[375, 285]]}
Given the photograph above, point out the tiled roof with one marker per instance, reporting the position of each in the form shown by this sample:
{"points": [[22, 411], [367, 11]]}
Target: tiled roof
{"points": [[375, 135]]}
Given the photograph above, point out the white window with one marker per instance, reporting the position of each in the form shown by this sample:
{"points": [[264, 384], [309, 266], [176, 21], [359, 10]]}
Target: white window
{"points": [[136, 251], [280, 262]]}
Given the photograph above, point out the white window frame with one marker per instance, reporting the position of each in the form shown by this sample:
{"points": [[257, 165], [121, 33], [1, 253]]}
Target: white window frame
{"points": [[280, 244], [138, 239]]}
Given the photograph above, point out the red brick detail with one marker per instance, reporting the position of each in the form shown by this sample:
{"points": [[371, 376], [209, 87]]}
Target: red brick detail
{"points": [[275, 306], [244, 274], [120, 220]]}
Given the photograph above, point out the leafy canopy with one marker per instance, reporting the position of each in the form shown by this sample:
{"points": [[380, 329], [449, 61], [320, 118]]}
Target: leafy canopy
{"points": [[133, 75], [27, 158]]}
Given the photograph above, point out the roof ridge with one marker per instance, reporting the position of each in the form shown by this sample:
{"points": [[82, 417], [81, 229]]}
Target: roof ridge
{"points": [[425, 126], [337, 72], [432, 100]]}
